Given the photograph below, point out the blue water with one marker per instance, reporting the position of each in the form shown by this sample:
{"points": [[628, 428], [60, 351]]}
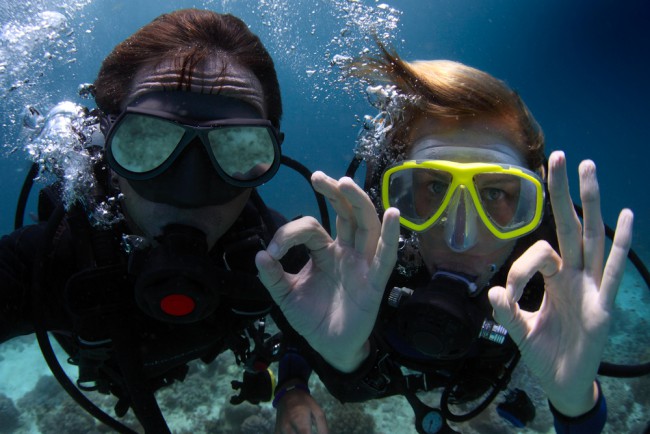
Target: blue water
{"points": [[581, 66]]}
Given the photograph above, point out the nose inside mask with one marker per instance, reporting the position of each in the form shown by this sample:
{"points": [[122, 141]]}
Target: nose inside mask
{"points": [[190, 182], [461, 221]]}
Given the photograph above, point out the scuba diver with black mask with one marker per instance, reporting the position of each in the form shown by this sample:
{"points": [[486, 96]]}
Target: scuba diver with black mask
{"points": [[473, 281], [189, 107]]}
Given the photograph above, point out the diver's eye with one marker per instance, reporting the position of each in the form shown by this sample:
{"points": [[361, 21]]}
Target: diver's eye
{"points": [[492, 194], [437, 187]]}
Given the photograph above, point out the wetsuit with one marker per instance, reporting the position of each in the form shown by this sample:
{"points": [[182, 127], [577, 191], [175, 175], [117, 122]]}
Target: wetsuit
{"points": [[86, 296]]}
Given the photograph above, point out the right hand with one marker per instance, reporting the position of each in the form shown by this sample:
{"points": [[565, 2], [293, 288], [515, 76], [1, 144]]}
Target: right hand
{"points": [[334, 300]]}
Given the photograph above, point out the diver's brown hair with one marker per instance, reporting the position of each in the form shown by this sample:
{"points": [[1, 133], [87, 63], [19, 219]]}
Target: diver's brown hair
{"points": [[189, 36], [445, 89]]}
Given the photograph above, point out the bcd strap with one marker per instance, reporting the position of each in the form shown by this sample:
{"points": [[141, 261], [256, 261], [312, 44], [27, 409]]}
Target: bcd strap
{"points": [[428, 420], [141, 395]]}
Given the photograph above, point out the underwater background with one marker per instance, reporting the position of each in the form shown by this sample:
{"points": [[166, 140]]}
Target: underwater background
{"points": [[582, 67]]}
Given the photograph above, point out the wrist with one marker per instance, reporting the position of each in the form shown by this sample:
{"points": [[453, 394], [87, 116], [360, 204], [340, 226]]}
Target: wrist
{"points": [[593, 421], [293, 365], [572, 405], [288, 386]]}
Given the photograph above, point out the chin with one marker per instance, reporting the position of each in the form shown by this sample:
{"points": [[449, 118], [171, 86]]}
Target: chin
{"points": [[211, 225], [481, 266]]}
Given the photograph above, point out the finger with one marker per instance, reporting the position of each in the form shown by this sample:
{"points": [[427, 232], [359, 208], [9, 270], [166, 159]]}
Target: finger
{"points": [[386, 254], [303, 422], [273, 277], [540, 257], [306, 230], [365, 215], [615, 266], [291, 429], [508, 314], [320, 422], [285, 428], [345, 223], [594, 229], [568, 225], [301, 425]]}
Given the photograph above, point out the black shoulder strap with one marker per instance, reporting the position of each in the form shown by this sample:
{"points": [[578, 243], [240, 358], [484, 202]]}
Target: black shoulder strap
{"points": [[38, 309]]}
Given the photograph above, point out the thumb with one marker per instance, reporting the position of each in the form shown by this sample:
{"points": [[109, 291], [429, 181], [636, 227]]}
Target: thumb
{"points": [[272, 276], [507, 313]]}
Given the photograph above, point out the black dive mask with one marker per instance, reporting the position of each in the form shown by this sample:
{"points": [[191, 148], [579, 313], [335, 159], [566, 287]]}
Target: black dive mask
{"points": [[191, 150], [444, 319], [174, 282]]}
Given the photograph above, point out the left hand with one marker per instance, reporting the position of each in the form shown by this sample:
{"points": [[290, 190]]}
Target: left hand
{"points": [[563, 342], [298, 412]]}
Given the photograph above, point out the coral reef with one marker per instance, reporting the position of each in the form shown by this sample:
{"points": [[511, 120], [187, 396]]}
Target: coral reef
{"points": [[235, 415], [53, 411], [203, 392], [350, 419], [257, 424], [9, 415], [200, 405]]}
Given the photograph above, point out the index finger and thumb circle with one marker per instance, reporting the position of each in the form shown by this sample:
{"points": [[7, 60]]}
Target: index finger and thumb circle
{"points": [[540, 257], [306, 231]]}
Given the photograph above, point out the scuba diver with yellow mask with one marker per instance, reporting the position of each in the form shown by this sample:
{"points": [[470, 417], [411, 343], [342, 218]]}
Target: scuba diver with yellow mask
{"points": [[491, 265]]}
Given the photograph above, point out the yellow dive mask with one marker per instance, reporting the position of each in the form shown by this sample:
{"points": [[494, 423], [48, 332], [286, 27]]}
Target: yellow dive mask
{"points": [[508, 199]]}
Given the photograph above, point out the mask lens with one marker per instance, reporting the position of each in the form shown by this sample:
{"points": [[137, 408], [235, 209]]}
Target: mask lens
{"points": [[244, 153], [509, 201], [418, 193], [142, 143]]}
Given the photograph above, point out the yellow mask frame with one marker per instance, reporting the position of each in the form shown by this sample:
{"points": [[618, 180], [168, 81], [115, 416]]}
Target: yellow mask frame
{"points": [[462, 174]]}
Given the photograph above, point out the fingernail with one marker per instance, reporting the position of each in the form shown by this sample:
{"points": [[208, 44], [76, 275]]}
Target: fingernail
{"points": [[558, 158], [587, 167]]}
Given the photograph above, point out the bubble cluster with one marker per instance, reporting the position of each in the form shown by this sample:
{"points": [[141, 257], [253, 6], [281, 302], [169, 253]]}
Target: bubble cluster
{"points": [[42, 35], [63, 143], [37, 37], [28, 49], [341, 30], [376, 129]]}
